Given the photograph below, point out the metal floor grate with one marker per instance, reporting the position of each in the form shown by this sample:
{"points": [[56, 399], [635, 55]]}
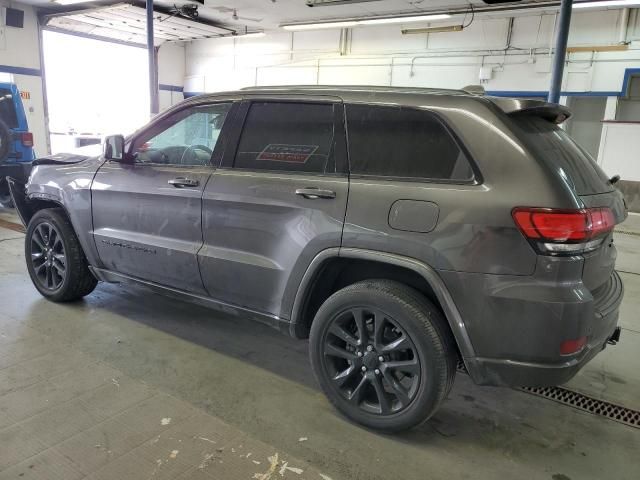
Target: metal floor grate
{"points": [[582, 402], [588, 404], [626, 232]]}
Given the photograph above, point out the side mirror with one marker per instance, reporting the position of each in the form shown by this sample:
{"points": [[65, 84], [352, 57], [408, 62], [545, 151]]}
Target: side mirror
{"points": [[114, 149]]}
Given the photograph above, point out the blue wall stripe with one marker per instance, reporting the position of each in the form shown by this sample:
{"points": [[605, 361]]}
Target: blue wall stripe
{"points": [[171, 88], [35, 72]]}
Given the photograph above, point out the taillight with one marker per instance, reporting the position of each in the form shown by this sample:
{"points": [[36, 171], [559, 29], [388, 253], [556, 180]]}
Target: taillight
{"points": [[27, 139], [569, 347], [564, 231]]}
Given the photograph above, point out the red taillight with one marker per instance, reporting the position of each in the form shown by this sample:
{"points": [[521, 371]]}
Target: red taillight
{"points": [[572, 346], [563, 226], [27, 139]]}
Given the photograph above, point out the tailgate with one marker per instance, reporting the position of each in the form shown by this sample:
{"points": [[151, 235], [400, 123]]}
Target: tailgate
{"points": [[599, 265]]}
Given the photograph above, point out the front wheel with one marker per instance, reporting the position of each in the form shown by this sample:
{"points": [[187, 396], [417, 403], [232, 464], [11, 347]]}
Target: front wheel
{"points": [[55, 260], [6, 201], [382, 354]]}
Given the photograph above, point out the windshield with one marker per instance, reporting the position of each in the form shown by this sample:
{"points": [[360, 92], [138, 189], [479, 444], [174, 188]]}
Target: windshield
{"points": [[7, 109], [553, 145]]}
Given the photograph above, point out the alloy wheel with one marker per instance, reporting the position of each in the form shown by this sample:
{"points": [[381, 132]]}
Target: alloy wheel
{"points": [[48, 256], [371, 361]]}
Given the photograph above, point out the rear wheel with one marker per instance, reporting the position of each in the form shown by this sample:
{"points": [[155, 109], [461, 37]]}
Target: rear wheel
{"points": [[55, 261], [382, 354]]}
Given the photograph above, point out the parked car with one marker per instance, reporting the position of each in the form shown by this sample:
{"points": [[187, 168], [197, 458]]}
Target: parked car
{"points": [[401, 230], [16, 142]]}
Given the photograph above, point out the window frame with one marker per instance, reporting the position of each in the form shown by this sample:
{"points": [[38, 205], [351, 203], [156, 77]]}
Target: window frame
{"points": [[477, 175], [221, 144], [337, 164]]}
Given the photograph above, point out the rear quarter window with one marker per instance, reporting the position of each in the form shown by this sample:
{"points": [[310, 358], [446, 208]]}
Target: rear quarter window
{"points": [[551, 144], [404, 142], [7, 109]]}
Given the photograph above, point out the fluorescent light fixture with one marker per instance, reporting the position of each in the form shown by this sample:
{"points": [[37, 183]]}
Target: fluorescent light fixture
{"points": [[369, 21], [316, 26], [252, 35], [604, 4], [70, 2], [448, 28], [420, 18]]}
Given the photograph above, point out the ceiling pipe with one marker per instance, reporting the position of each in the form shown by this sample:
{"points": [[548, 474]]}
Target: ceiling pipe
{"points": [[624, 25], [560, 52], [154, 93]]}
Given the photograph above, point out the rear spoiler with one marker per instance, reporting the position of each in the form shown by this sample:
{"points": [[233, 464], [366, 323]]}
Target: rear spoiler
{"points": [[549, 111]]}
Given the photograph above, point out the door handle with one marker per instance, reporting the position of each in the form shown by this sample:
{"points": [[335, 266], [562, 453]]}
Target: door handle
{"points": [[313, 193], [181, 182]]}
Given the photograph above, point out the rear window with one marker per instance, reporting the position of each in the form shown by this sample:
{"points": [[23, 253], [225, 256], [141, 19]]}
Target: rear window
{"points": [[403, 142], [7, 109], [553, 145]]}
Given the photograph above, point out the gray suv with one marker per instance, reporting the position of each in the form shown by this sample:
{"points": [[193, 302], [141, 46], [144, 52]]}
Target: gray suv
{"points": [[402, 230]]}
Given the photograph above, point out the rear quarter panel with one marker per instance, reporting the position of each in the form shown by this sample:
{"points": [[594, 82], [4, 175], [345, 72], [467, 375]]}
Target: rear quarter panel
{"points": [[474, 230]]}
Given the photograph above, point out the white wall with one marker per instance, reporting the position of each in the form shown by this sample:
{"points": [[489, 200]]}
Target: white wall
{"points": [[171, 72], [19, 48], [383, 56]]}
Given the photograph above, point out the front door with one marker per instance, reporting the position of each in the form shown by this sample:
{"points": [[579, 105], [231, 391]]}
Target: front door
{"points": [[147, 214], [278, 201]]}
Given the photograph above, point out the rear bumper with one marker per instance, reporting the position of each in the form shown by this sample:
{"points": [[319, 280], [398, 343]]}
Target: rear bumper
{"points": [[527, 330]]}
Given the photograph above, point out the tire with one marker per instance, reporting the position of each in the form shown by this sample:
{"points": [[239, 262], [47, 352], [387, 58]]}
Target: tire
{"points": [[5, 201], [55, 260], [355, 367], [5, 141]]}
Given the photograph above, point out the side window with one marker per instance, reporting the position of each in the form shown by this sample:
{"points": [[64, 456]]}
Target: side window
{"points": [[295, 137], [7, 109], [403, 142], [186, 138]]}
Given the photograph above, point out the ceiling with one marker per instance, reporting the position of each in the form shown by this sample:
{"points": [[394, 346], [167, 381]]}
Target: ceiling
{"points": [[228, 17]]}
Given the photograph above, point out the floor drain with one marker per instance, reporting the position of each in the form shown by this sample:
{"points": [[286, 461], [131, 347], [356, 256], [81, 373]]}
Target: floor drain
{"points": [[588, 404], [582, 402], [625, 232]]}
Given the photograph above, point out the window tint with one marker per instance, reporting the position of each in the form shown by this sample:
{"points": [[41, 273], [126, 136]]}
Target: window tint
{"points": [[553, 145], [403, 142], [7, 109], [186, 138], [296, 137]]}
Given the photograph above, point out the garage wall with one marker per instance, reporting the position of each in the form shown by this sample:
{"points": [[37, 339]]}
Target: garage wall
{"points": [[171, 73], [20, 63], [383, 56]]}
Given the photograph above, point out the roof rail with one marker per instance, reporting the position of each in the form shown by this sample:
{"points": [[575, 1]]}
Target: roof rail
{"points": [[474, 89]]}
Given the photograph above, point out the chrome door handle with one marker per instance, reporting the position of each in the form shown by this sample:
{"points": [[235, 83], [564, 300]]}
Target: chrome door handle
{"points": [[183, 182], [315, 193]]}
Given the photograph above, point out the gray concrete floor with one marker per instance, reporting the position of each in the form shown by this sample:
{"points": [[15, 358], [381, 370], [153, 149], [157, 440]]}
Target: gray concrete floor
{"points": [[128, 384]]}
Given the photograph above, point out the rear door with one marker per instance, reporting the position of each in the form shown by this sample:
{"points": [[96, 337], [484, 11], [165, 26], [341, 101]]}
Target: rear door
{"points": [[278, 201], [147, 215]]}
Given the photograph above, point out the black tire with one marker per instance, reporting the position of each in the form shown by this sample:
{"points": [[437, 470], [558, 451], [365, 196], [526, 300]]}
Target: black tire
{"points": [[70, 278], [6, 201], [406, 318], [5, 141]]}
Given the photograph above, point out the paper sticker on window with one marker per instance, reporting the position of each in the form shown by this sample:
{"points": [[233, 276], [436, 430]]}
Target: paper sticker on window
{"points": [[287, 153]]}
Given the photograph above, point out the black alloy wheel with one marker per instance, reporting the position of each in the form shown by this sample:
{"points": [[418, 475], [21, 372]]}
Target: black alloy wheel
{"points": [[372, 361], [48, 256]]}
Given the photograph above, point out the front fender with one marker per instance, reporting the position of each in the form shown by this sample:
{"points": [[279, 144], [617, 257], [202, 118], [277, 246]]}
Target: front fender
{"points": [[19, 197]]}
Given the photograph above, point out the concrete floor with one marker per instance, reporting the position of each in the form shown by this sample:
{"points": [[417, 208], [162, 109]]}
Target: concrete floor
{"points": [[132, 385]]}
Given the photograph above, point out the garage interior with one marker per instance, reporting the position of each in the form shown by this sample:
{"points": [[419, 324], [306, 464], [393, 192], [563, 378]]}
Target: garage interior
{"points": [[131, 384]]}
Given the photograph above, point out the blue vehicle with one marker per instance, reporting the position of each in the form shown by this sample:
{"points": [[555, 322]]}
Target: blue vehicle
{"points": [[16, 142]]}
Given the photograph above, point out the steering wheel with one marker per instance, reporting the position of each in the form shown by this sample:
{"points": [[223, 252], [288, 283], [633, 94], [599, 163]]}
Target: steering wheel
{"points": [[190, 148]]}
